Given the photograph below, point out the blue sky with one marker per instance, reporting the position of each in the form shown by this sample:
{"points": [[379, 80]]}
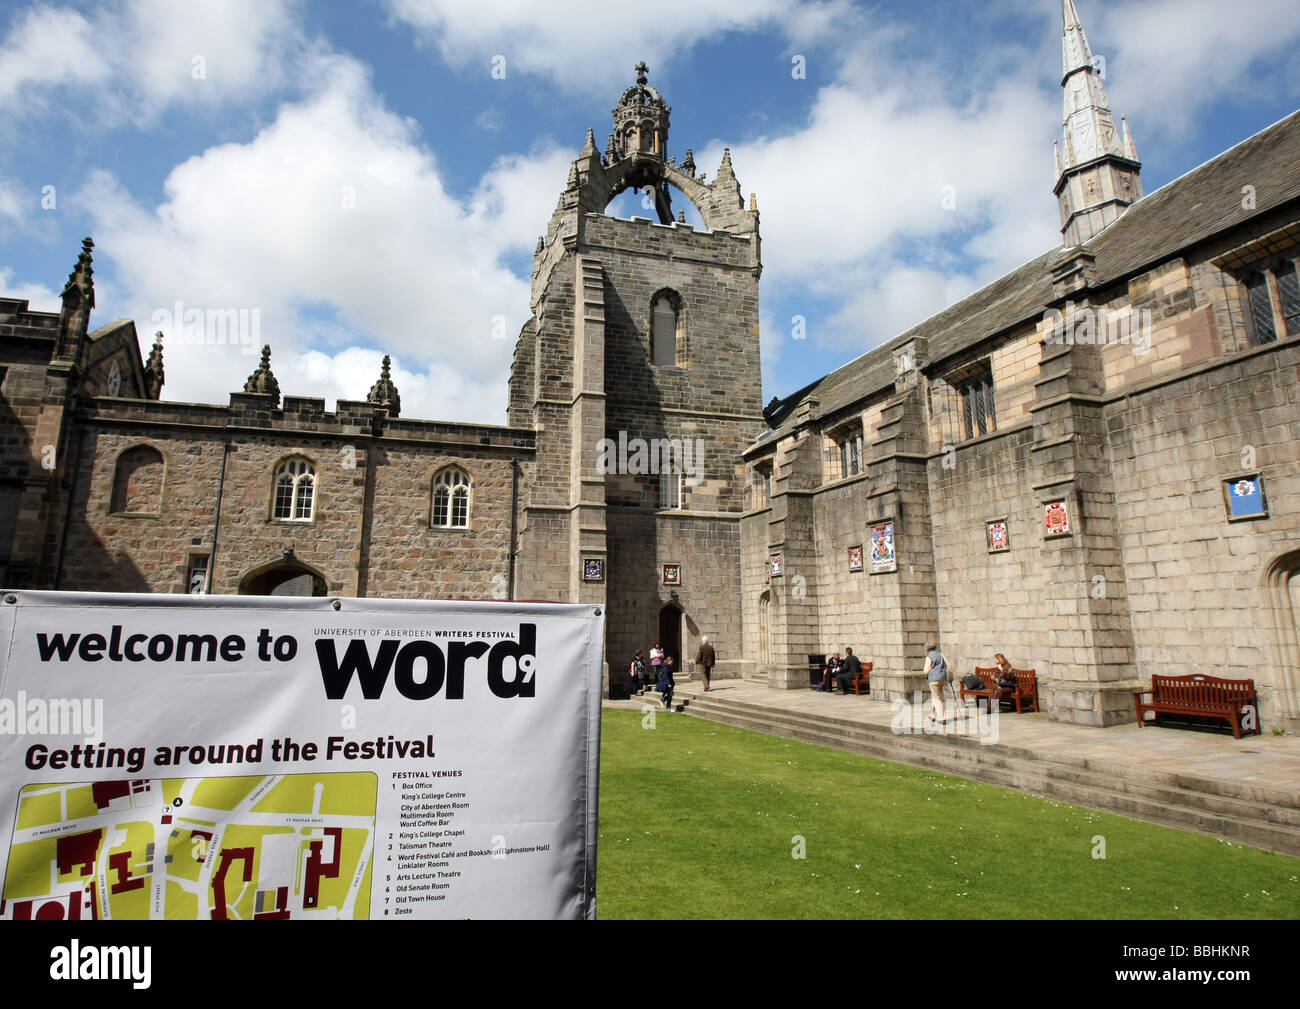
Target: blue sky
{"points": [[359, 175]]}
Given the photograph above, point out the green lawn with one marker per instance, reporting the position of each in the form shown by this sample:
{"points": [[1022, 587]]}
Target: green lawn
{"points": [[700, 820]]}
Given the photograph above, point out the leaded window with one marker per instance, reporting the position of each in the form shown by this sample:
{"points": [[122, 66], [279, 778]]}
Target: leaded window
{"points": [[1261, 308], [451, 490], [295, 491], [977, 411]]}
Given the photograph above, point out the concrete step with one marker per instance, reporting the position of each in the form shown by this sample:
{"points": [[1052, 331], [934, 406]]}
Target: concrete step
{"points": [[1242, 820], [1283, 800]]}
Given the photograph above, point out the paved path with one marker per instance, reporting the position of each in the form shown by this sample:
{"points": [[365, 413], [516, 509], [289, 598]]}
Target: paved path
{"points": [[1265, 761]]}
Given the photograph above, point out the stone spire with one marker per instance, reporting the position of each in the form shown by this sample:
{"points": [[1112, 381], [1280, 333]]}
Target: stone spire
{"points": [[153, 369], [78, 299], [589, 145], [384, 393], [1098, 178], [262, 381]]}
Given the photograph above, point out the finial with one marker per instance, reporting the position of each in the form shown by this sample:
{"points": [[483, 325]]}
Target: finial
{"points": [[1130, 149], [725, 167], [681, 217], [573, 176], [541, 244], [610, 154], [153, 368], [688, 163], [262, 380], [753, 203], [641, 71], [384, 393], [82, 275], [1056, 153], [588, 146]]}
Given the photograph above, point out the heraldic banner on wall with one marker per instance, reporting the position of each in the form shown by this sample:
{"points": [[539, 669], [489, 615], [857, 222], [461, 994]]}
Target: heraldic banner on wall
{"points": [[270, 758]]}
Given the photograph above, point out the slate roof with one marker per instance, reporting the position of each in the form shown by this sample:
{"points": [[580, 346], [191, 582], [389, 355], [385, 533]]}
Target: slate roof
{"points": [[1186, 212]]}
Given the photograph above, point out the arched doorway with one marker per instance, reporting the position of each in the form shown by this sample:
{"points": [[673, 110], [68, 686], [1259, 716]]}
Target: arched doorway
{"points": [[670, 633], [289, 577], [1283, 581], [764, 621]]}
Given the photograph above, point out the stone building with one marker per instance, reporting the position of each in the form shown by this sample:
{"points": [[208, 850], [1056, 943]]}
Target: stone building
{"points": [[1089, 465]]}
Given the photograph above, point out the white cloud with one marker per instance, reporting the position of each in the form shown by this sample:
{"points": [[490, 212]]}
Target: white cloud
{"points": [[334, 224], [129, 60], [579, 44], [893, 204], [41, 297]]}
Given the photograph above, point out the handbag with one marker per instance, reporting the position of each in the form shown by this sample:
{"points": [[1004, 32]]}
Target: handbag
{"points": [[972, 682]]}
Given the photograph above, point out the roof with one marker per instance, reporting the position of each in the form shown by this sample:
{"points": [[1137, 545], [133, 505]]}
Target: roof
{"points": [[1189, 210]]}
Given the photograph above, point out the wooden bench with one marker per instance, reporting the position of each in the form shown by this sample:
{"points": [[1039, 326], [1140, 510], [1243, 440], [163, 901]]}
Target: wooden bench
{"points": [[1198, 694], [861, 682], [1024, 696]]}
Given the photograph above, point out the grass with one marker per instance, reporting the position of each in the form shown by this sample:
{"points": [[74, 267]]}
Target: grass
{"points": [[701, 820]]}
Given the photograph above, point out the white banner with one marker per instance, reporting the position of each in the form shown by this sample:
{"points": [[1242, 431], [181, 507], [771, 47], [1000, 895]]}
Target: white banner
{"points": [[265, 757]]}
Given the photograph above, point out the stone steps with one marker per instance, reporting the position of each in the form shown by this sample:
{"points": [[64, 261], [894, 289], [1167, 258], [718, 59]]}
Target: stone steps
{"points": [[1243, 814]]}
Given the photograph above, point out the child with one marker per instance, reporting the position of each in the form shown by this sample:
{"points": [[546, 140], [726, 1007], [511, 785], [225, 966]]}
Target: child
{"points": [[666, 683]]}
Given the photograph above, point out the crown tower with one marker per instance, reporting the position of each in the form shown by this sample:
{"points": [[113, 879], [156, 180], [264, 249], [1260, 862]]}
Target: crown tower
{"points": [[640, 370]]}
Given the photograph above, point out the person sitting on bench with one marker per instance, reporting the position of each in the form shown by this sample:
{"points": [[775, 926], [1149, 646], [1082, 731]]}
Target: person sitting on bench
{"points": [[1004, 679], [828, 673], [849, 670]]}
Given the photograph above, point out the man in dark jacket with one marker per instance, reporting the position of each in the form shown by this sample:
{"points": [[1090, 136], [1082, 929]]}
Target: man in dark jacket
{"points": [[639, 679], [705, 660], [849, 670]]}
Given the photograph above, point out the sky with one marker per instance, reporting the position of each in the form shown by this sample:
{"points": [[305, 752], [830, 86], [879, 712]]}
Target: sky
{"points": [[357, 179]]}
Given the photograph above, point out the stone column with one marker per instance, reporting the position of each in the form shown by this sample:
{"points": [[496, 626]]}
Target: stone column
{"points": [[1086, 600], [794, 621], [904, 615]]}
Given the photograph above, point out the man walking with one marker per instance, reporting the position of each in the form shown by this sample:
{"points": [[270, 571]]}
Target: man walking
{"points": [[705, 660]]}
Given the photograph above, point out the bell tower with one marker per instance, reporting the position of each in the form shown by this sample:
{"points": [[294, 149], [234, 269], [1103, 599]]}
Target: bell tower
{"points": [[640, 370]]}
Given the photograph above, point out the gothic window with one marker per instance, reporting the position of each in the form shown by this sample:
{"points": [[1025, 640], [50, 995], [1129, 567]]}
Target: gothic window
{"points": [[670, 489], [761, 487], [975, 387], [851, 455], [846, 457], [196, 574], [138, 482], [1272, 301], [1261, 308], [295, 491], [451, 489], [1288, 294], [665, 320]]}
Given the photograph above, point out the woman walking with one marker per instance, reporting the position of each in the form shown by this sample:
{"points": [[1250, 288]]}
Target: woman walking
{"points": [[936, 674]]}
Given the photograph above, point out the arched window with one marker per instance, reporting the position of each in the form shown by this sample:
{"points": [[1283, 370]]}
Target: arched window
{"points": [[295, 491], [451, 490], [138, 482], [664, 324]]}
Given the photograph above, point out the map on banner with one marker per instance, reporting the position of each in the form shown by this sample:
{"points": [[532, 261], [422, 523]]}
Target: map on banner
{"points": [[271, 847]]}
